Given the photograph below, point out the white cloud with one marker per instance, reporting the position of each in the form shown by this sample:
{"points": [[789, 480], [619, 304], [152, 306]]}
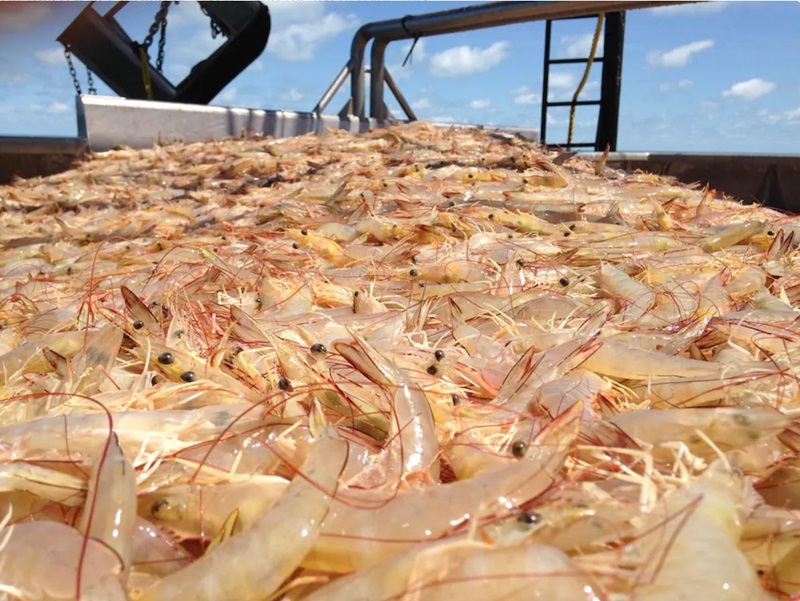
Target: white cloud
{"points": [[294, 95], [186, 13], [678, 57], [420, 54], [57, 107], [228, 95], [791, 117], [577, 46], [443, 119], [282, 12], [421, 104], [51, 56], [298, 41], [750, 89], [12, 74], [21, 16], [521, 90], [181, 57], [480, 104], [528, 99], [699, 8], [667, 86], [561, 80], [467, 60]]}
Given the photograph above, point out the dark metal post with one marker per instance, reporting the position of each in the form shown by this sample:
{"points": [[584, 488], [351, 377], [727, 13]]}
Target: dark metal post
{"points": [[611, 84], [545, 80], [401, 100], [376, 76]]}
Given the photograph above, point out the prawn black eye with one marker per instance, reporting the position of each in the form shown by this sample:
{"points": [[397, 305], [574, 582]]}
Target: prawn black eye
{"points": [[138, 324], [166, 358], [564, 281], [188, 376], [318, 349], [566, 234], [456, 400], [355, 293], [159, 506], [304, 232], [154, 380], [529, 517], [572, 227], [439, 355], [470, 176], [295, 245], [520, 262], [413, 273], [490, 216], [518, 448], [283, 384], [432, 370], [770, 233], [237, 350]]}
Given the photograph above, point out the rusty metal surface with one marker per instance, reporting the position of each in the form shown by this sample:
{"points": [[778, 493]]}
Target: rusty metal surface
{"points": [[771, 179], [29, 157]]}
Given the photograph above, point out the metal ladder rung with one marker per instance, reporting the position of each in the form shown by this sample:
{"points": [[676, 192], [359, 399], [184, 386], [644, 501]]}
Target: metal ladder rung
{"points": [[581, 144], [573, 61], [610, 78], [569, 103]]}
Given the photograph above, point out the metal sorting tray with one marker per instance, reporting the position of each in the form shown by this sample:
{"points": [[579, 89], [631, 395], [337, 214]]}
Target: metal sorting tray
{"points": [[107, 122]]}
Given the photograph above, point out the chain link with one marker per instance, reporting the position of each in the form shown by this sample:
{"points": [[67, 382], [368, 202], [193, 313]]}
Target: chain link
{"points": [[215, 29], [90, 79], [162, 40], [159, 25], [72, 71]]}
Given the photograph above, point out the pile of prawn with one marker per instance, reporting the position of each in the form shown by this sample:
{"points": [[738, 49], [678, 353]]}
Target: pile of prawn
{"points": [[415, 363]]}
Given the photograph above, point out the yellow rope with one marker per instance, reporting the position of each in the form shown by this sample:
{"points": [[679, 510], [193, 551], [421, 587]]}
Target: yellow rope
{"points": [[600, 18], [148, 88]]}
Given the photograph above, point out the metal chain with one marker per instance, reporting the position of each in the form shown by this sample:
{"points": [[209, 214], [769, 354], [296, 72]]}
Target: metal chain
{"points": [[159, 25], [161, 17], [72, 71], [90, 80], [162, 40], [215, 29]]}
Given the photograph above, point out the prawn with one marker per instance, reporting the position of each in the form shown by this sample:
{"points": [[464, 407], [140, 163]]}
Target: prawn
{"points": [[254, 563], [67, 567], [194, 510], [469, 570], [694, 532], [412, 436], [355, 534]]}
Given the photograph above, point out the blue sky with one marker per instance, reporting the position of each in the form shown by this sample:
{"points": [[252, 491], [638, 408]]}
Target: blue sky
{"points": [[712, 77]]}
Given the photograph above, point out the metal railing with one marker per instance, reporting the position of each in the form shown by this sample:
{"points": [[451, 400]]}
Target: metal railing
{"points": [[496, 14]]}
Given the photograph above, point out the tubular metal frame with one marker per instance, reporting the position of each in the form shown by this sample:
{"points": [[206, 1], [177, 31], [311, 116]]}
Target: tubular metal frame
{"points": [[482, 16]]}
